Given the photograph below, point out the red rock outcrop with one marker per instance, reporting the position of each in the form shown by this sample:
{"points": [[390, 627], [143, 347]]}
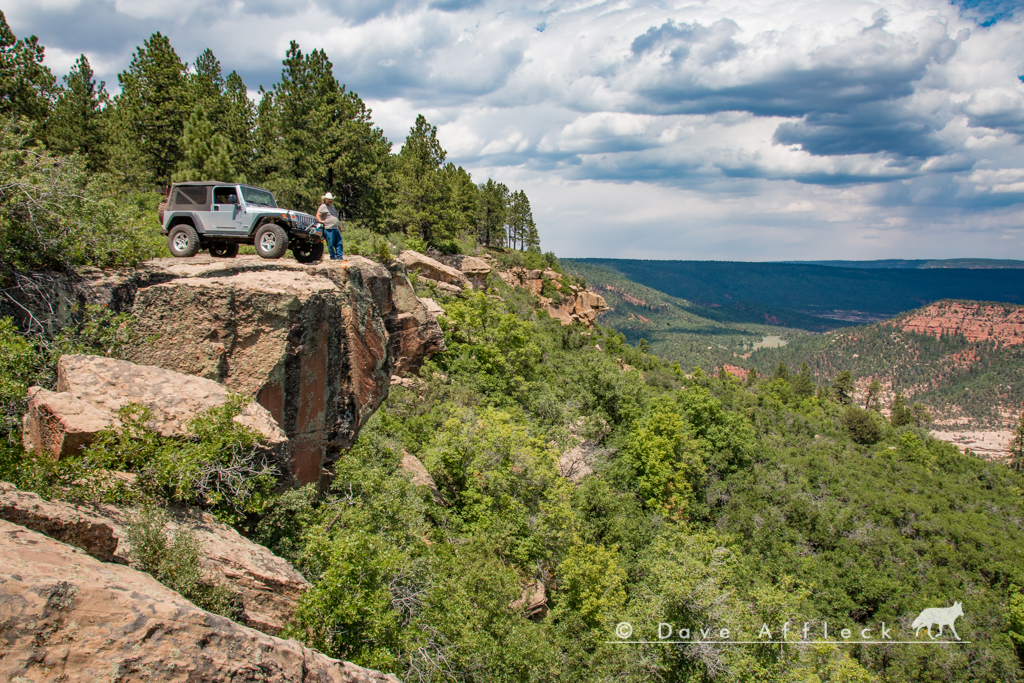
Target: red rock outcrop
{"points": [[475, 269], [444, 277], [975, 321], [267, 585], [92, 389], [65, 616], [316, 345], [575, 304]]}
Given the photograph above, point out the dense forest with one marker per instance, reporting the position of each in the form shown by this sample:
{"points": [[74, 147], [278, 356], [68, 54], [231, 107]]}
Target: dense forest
{"points": [[84, 170], [874, 293]]}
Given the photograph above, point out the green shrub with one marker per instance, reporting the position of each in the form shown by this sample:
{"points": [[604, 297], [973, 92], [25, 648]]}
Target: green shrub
{"points": [[172, 558], [220, 465], [861, 425], [56, 219]]}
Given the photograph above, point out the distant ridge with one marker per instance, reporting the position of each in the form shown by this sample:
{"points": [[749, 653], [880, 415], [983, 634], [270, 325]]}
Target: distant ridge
{"points": [[922, 264]]}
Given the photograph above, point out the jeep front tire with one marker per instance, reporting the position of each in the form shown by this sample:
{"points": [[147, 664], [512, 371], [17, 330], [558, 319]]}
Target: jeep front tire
{"points": [[308, 252], [271, 241], [183, 241]]}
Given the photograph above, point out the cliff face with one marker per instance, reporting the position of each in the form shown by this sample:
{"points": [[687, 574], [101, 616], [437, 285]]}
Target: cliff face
{"points": [[975, 321], [316, 345]]}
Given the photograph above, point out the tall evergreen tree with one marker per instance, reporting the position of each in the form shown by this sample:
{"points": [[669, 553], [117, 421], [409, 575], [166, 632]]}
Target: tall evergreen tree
{"points": [[803, 382], [227, 106], [522, 230], [239, 122], [26, 85], [314, 136], [76, 124], [1017, 446], [844, 387], [494, 199], [206, 155], [426, 204], [153, 90]]}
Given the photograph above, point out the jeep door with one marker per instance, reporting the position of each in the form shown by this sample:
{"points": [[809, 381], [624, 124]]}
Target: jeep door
{"points": [[227, 214]]}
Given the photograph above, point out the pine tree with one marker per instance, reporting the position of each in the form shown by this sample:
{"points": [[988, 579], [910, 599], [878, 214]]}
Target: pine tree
{"points": [[149, 107], [844, 387], [900, 414], [522, 230], [874, 394], [314, 136], [426, 205], [26, 85], [206, 155], [76, 124], [781, 371], [494, 199], [1017, 446], [803, 382], [227, 106]]}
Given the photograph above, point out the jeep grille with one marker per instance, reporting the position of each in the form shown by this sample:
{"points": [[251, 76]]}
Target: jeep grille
{"points": [[304, 222]]}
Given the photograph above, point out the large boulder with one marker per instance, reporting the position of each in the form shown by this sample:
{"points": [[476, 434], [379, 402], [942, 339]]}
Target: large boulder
{"points": [[475, 269], [92, 389], [433, 270], [267, 585], [314, 344], [66, 616]]}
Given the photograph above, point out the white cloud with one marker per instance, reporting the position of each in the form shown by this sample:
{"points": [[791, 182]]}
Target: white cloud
{"points": [[736, 129]]}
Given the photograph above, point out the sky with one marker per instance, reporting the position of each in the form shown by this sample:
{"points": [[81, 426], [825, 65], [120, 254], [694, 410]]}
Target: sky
{"points": [[753, 130]]}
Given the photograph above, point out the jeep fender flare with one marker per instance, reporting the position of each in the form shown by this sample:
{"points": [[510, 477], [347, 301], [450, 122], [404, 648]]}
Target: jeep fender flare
{"points": [[179, 217], [262, 220]]}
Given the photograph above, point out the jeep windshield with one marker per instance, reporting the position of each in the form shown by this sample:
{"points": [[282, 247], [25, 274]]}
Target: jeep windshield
{"points": [[254, 195]]}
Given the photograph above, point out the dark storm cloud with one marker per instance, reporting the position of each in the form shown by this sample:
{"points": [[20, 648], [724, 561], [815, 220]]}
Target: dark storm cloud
{"points": [[93, 26], [455, 5], [877, 127]]}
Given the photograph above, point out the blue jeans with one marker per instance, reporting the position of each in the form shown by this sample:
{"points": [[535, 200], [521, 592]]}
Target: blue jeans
{"points": [[334, 245]]}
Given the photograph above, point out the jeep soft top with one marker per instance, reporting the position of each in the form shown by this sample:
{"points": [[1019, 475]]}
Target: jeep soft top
{"points": [[220, 216]]}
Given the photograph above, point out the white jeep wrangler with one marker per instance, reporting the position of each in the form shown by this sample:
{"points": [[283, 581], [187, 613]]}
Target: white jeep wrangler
{"points": [[221, 216]]}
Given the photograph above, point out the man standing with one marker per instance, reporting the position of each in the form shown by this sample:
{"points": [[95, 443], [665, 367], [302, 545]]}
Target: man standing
{"points": [[328, 215]]}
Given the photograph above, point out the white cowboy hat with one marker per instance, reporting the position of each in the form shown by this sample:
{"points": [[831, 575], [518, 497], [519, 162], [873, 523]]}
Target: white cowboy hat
{"points": [[328, 195]]}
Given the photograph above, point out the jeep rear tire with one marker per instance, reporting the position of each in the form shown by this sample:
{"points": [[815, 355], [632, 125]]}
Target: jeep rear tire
{"points": [[308, 252], [183, 241], [271, 241], [223, 250]]}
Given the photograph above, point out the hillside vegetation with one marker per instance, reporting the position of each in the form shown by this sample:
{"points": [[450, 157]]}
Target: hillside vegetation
{"points": [[820, 290], [957, 375], [712, 504]]}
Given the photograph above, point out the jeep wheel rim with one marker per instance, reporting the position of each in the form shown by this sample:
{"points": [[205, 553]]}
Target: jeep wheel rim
{"points": [[181, 241], [268, 241]]}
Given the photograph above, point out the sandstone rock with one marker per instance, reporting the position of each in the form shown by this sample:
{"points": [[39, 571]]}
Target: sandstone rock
{"points": [[435, 270], [60, 424], [559, 314], [108, 384], [975, 321], [419, 475], [311, 347], [268, 585], [66, 616], [432, 306], [532, 601], [314, 344], [61, 521], [475, 269], [91, 390], [442, 286]]}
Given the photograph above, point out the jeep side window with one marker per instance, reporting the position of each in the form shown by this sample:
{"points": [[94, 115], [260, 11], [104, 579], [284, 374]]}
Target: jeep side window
{"points": [[225, 195]]}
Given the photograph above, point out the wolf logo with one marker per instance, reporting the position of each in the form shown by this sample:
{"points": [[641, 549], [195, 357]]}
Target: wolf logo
{"points": [[943, 616]]}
